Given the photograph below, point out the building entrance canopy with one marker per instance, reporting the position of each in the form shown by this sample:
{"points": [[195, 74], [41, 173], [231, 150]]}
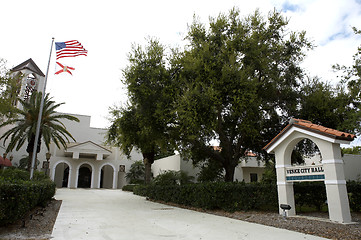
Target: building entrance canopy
{"points": [[88, 150]]}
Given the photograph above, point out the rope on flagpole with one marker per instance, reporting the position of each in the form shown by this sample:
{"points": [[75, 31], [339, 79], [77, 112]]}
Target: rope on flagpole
{"points": [[33, 160]]}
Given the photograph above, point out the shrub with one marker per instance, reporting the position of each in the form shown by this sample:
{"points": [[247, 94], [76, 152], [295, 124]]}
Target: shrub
{"points": [[136, 173], [172, 178], [243, 196], [354, 195], [18, 194], [210, 171], [129, 187], [218, 195], [14, 174], [311, 194]]}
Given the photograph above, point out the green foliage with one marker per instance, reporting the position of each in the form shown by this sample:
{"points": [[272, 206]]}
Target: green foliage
{"points": [[310, 194], [354, 195], [304, 148], [331, 106], [356, 150], [14, 174], [24, 125], [210, 171], [18, 194], [129, 187], [218, 195], [136, 173], [269, 175], [24, 162], [143, 124], [172, 178], [243, 196], [8, 88], [238, 83], [351, 75]]}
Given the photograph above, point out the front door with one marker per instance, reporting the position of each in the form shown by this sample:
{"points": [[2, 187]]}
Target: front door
{"points": [[84, 179]]}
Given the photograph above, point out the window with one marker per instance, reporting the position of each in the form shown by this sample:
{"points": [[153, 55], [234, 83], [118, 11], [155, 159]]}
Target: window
{"points": [[253, 177]]}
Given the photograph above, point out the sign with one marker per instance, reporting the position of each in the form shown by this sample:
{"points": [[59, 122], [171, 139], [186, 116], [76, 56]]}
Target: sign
{"points": [[45, 164], [305, 173], [121, 168]]}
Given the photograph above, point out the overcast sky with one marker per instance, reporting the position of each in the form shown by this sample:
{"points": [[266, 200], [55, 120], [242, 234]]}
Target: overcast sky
{"points": [[108, 28]]}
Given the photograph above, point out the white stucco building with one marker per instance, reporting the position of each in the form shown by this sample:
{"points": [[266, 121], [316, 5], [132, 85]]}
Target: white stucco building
{"points": [[89, 163], [248, 170]]}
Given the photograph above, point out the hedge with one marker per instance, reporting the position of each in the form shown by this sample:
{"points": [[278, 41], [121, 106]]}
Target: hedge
{"points": [[354, 195], [129, 187], [243, 196], [220, 195], [18, 196], [310, 194]]}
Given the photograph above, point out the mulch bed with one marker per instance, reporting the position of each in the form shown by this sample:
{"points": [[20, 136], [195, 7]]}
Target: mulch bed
{"points": [[37, 224], [319, 225]]}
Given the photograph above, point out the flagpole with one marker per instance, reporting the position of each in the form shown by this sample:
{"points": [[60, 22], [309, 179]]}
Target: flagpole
{"points": [[33, 160]]}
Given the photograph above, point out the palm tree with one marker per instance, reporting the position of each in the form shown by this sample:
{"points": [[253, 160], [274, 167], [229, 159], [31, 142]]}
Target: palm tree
{"points": [[25, 122]]}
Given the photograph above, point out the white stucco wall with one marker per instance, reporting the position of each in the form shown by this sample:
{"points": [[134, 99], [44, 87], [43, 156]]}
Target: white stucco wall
{"points": [[168, 163], [82, 132], [187, 166], [352, 167], [176, 163]]}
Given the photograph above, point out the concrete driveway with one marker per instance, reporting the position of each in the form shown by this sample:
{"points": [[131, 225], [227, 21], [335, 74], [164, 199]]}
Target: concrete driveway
{"points": [[114, 214]]}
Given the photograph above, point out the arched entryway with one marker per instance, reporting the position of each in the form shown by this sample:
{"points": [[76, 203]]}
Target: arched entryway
{"points": [[307, 175], [106, 177], [84, 176], [330, 170], [61, 175]]}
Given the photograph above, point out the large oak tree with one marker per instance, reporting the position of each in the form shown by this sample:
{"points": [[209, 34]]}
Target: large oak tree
{"points": [[239, 83], [142, 124]]}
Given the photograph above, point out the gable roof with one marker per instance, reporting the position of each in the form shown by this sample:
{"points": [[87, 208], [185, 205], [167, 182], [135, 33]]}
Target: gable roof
{"points": [[314, 128], [30, 65], [88, 149], [89, 143]]}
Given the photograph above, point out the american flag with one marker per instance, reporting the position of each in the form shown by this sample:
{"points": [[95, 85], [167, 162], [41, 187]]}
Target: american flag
{"points": [[71, 48]]}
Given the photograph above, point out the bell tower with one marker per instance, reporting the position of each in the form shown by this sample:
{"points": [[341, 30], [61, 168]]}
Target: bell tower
{"points": [[30, 78]]}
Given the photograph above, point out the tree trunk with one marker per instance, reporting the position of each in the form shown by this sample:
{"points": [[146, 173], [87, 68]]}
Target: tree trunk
{"points": [[148, 171], [229, 173], [30, 149], [148, 161], [29, 161]]}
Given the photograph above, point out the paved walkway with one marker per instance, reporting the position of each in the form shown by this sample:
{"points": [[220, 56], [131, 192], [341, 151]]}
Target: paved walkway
{"points": [[114, 214]]}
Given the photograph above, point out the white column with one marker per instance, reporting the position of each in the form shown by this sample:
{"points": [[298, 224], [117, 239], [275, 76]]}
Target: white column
{"points": [[337, 198], [285, 191], [69, 177], [115, 179]]}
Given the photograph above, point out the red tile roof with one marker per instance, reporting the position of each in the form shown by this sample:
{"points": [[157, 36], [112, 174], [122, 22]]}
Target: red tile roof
{"points": [[247, 153], [307, 125], [5, 162]]}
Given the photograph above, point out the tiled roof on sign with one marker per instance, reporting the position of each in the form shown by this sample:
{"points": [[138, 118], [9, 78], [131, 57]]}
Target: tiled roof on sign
{"points": [[307, 125], [322, 130]]}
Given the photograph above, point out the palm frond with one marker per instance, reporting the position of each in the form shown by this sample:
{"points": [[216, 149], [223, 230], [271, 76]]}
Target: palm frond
{"points": [[24, 125]]}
